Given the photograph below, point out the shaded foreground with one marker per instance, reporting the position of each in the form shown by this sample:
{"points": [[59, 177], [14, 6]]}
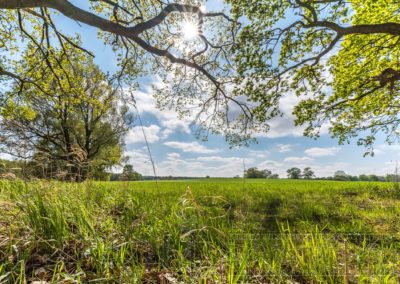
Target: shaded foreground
{"points": [[214, 231]]}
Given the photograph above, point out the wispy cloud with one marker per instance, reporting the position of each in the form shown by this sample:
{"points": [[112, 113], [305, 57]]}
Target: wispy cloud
{"points": [[322, 152], [385, 149], [283, 148], [193, 147], [258, 154], [173, 156], [298, 160], [226, 160]]}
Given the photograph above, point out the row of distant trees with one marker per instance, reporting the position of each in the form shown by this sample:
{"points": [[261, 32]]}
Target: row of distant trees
{"points": [[293, 173], [342, 176], [308, 173]]}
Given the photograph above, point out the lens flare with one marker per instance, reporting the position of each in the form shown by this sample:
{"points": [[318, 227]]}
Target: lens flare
{"points": [[189, 30]]}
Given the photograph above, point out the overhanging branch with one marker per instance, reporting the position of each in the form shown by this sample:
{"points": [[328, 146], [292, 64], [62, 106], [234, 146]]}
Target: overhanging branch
{"points": [[133, 33]]}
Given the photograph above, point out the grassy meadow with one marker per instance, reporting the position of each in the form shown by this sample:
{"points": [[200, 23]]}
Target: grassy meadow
{"points": [[200, 231]]}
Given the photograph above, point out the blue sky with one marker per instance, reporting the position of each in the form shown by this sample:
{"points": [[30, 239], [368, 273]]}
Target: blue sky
{"points": [[176, 151]]}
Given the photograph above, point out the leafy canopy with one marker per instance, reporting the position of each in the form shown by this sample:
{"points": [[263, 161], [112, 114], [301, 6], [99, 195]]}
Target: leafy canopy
{"points": [[341, 58], [146, 36]]}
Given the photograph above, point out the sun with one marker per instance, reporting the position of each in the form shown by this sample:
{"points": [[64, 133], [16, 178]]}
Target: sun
{"points": [[189, 30]]}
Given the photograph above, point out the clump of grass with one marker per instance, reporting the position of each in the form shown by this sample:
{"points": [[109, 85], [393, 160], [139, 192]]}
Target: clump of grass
{"points": [[46, 218], [314, 256]]}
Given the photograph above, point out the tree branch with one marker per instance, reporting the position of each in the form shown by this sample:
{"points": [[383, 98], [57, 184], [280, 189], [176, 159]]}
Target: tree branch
{"points": [[76, 13], [20, 79], [385, 28]]}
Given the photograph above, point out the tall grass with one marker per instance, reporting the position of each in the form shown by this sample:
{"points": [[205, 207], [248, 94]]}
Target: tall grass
{"points": [[211, 231]]}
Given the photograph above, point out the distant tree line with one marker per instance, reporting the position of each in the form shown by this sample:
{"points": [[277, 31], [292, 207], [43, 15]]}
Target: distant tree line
{"points": [[307, 173], [342, 176]]}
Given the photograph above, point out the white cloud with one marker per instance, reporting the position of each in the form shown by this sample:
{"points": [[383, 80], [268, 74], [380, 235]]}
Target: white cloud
{"points": [[167, 118], [193, 147], [270, 164], [140, 161], [172, 156], [258, 154], [283, 148], [135, 135], [226, 160], [386, 148], [283, 126], [388, 168], [297, 160], [322, 152], [214, 166]]}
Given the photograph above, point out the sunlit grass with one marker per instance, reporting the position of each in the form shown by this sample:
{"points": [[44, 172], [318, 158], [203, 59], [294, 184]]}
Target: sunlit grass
{"points": [[208, 231]]}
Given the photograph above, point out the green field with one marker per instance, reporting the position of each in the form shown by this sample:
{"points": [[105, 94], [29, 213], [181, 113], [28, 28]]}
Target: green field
{"points": [[200, 231]]}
